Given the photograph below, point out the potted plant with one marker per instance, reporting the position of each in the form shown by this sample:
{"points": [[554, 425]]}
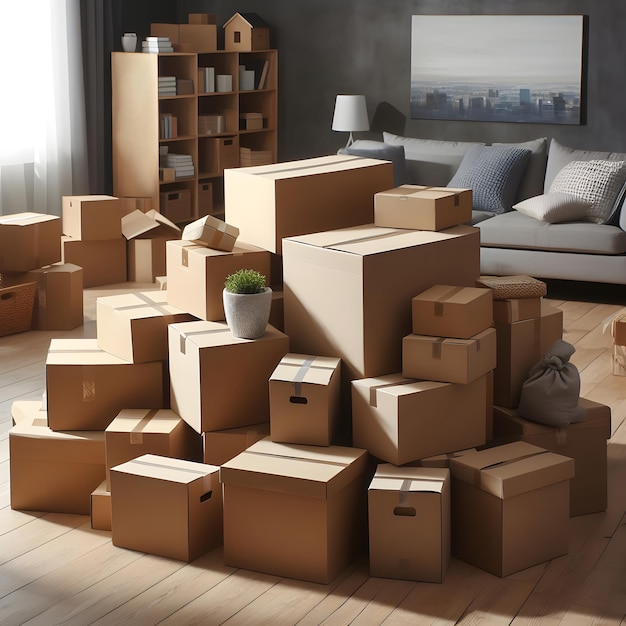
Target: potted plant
{"points": [[247, 303]]}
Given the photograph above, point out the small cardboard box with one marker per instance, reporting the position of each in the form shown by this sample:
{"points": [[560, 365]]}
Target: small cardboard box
{"points": [[422, 208], [220, 446], [516, 310], [308, 506], [148, 225], [100, 508], [401, 420], [215, 154], [133, 326], [87, 387], [212, 232], [201, 18], [449, 360], [511, 507], [452, 311], [53, 471], [103, 262], [409, 523], [176, 205], [165, 30], [305, 399], [585, 442], [92, 217], [277, 312], [219, 381], [164, 506], [251, 121], [146, 259]]}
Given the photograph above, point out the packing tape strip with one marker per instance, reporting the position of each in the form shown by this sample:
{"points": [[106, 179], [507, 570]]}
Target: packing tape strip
{"points": [[186, 470], [478, 477], [439, 303], [146, 302], [300, 374], [183, 336], [136, 434], [437, 348], [374, 388]]}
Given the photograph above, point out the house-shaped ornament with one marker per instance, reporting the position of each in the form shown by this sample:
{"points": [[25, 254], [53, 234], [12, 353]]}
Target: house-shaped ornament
{"points": [[244, 32]]}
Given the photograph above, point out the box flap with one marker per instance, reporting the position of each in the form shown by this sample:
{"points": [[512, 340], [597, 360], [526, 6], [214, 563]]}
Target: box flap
{"points": [[151, 224], [166, 468], [390, 477], [140, 304], [158, 421], [303, 368], [26, 219], [80, 351]]}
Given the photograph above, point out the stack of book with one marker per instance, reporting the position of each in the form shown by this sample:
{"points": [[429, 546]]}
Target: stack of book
{"points": [[157, 44], [168, 126], [206, 79], [248, 157], [181, 163], [167, 85]]}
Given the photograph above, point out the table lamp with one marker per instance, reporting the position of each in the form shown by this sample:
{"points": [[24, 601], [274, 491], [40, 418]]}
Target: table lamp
{"points": [[350, 115]]}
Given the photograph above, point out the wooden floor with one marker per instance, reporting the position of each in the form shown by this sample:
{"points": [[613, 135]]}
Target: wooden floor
{"points": [[55, 570]]}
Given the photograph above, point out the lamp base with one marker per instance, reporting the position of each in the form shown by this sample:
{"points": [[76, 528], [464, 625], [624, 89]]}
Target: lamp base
{"points": [[350, 140]]}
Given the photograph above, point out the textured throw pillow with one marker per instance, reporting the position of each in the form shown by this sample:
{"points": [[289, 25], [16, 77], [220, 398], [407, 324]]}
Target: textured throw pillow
{"points": [[383, 151], [554, 207], [493, 174], [597, 182]]}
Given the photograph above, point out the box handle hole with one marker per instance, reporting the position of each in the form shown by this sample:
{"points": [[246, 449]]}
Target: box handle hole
{"points": [[206, 496], [6, 296], [298, 400], [405, 511]]}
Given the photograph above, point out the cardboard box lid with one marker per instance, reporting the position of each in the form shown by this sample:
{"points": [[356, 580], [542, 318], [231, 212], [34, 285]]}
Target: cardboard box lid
{"points": [[140, 305], [451, 294], [511, 469], [167, 469], [304, 368], [29, 410], [150, 224], [154, 421], [395, 385], [90, 198], [390, 477], [26, 219], [312, 471], [80, 351], [421, 191], [58, 268]]}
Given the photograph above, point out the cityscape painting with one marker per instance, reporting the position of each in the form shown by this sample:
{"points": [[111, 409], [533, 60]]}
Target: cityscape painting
{"points": [[498, 68]]}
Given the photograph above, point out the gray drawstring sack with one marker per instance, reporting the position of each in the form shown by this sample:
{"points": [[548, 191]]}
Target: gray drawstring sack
{"points": [[550, 393]]}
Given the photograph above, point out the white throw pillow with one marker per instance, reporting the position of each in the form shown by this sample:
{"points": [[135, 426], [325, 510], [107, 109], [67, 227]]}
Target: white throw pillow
{"points": [[554, 207]]}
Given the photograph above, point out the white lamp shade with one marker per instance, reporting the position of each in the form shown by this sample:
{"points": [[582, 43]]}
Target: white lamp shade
{"points": [[350, 114]]}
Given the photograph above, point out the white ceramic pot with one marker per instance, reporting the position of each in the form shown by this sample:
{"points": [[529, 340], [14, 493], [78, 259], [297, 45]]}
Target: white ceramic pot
{"points": [[247, 314], [129, 42]]}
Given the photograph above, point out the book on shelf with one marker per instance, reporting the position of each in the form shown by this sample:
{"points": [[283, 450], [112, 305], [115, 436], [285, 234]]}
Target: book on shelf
{"points": [[206, 80], [168, 126], [158, 39], [157, 50], [167, 80], [264, 73]]}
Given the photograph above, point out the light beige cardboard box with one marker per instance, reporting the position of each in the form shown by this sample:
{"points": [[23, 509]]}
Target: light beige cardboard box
{"points": [[87, 387], [422, 208], [219, 381], [305, 399], [52, 471], [169, 507], [148, 225], [146, 259], [29, 241], [103, 261], [295, 511], [100, 508], [270, 202], [402, 420], [92, 217], [135, 432], [585, 442], [511, 507], [452, 311], [516, 309], [196, 275], [219, 446], [133, 326], [409, 523], [212, 232], [449, 360]]}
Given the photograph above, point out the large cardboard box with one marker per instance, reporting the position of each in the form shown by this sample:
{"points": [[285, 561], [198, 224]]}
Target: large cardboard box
{"points": [[219, 446], [511, 507], [212, 232], [29, 241], [164, 506], [422, 208], [92, 217], [100, 508], [401, 420], [52, 471], [87, 387], [103, 261], [449, 360], [585, 442], [305, 400], [220, 381], [295, 511], [196, 275], [516, 309], [133, 326], [271, 202], [409, 523]]}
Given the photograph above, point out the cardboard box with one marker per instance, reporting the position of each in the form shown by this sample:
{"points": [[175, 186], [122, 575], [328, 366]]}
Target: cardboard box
{"points": [[176, 205], [511, 507], [164, 506], [165, 30], [516, 310], [52, 471], [205, 199], [201, 37], [401, 420], [146, 259], [422, 208], [585, 442], [220, 446], [271, 202], [149, 225], [409, 523], [215, 154], [100, 508], [29, 241], [201, 18], [87, 387], [452, 311], [305, 399], [167, 174], [17, 306], [211, 124], [196, 274], [441, 460], [309, 506], [133, 326], [251, 121], [618, 330], [92, 217], [277, 312], [449, 360], [249, 157], [128, 204], [219, 381], [59, 300], [211, 232], [103, 262]]}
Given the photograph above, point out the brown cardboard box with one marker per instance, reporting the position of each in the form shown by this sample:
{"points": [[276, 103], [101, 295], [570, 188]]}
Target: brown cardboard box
{"points": [[133, 326], [149, 225], [100, 508], [251, 121], [618, 330], [53, 471], [201, 18], [205, 199], [516, 310], [220, 381], [277, 312], [401, 420], [452, 311], [215, 154], [449, 360], [305, 399], [146, 259], [271, 202], [169, 507], [585, 442], [422, 208], [92, 217], [129, 204], [441, 460], [409, 523], [29, 241], [307, 505], [176, 205], [196, 275], [165, 30], [103, 262], [201, 37], [212, 232], [220, 446], [87, 387], [511, 507]]}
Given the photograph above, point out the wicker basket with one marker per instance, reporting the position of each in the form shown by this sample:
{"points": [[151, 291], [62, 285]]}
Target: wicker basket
{"points": [[17, 303], [512, 287]]}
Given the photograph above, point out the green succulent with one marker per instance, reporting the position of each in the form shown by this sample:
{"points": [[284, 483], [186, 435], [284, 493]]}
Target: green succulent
{"points": [[245, 281]]}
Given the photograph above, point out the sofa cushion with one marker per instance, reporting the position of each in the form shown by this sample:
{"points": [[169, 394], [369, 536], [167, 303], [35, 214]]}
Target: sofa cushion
{"points": [[384, 152], [554, 207]]}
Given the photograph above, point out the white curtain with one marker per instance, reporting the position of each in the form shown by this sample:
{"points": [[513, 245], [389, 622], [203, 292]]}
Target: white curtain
{"points": [[43, 153]]}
